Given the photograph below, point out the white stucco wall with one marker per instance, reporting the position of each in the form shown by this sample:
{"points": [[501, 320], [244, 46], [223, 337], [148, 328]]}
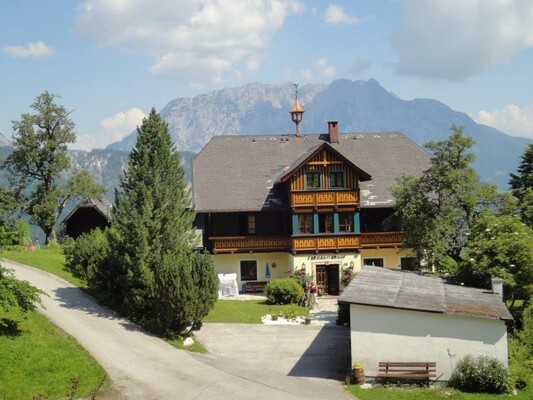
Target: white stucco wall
{"points": [[391, 257], [384, 334]]}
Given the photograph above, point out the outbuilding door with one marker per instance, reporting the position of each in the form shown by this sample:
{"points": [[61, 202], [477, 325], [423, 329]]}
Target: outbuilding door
{"points": [[327, 279]]}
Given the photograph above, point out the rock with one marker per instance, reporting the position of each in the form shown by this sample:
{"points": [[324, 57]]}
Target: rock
{"points": [[188, 342], [366, 386]]}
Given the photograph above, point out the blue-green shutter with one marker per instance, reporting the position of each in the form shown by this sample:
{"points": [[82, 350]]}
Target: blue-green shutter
{"points": [[356, 222], [295, 224], [335, 222], [315, 223]]}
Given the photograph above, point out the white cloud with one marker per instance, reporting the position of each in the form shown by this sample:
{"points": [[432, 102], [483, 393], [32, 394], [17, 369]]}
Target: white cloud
{"points": [[335, 15], [457, 39], [200, 41], [511, 119], [325, 68], [114, 128], [35, 50]]}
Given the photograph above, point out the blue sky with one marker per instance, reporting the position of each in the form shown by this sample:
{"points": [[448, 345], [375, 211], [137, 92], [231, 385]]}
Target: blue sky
{"points": [[112, 60]]}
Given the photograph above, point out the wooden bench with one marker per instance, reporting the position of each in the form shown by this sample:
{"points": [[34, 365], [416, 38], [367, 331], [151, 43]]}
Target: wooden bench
{"points": [[407, 370], [255, 287]]}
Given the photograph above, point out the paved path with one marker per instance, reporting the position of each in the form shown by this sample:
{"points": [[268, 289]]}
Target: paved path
{"points": [[142, 366]]}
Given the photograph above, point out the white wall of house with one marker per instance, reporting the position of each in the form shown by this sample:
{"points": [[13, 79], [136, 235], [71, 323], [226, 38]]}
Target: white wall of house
{"points": [[309, 262], [278, 264], [385, 334], [391, 257]]}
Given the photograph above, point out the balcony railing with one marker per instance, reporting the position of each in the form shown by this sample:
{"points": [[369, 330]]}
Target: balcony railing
{"points": [[317, 243], [381, 239], [239, 244], [324, 198]]}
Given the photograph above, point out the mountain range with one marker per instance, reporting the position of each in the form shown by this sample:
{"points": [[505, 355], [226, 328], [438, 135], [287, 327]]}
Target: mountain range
{"points": [[359, 106]]}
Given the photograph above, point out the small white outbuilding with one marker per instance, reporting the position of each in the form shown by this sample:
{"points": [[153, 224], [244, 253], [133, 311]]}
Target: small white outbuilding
{"points": [[410, 317]]}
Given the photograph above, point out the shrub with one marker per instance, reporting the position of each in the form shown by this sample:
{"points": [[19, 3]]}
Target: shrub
{"points": [[85, 256], [521, 352], [343, 314], [291, 311], [481, 374], [283, 291]]}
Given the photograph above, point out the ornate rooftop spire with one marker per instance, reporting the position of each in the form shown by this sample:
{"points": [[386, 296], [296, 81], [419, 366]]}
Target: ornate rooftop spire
{"points": [[297, 111]]}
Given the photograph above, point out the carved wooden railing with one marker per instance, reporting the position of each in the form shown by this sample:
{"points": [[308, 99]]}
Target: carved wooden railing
{"points": [[236, 244], [324, 198], [381, 239], [337, 242]]}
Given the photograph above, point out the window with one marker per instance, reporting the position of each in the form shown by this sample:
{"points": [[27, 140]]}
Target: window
{"points": [[408, 263], [312, 180], [336, 179], [251, 224], [305, 223], [325, 223], [248, 270], [345, 222], [376, 262]]}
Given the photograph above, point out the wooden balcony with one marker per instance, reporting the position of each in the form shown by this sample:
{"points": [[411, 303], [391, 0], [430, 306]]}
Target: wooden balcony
{"points": [[381, 239], [246, 244], [331, 242], [324, 198]]}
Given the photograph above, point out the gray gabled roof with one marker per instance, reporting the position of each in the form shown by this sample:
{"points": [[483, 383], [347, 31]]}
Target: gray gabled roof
{"points": [[102, 205], [239, 173], [380, 287]]}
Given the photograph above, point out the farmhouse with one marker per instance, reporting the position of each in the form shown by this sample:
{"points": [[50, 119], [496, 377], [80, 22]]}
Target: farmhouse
{"points": [[88, 215], [400, 316], [268, 205]]}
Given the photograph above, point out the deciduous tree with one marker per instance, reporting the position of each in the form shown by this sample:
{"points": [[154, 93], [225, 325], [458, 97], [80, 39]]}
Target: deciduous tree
{"points": [[437, 209], [39, 158]]}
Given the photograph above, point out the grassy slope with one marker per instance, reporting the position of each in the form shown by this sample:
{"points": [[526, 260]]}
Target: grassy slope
{"points": [[42, 360]]}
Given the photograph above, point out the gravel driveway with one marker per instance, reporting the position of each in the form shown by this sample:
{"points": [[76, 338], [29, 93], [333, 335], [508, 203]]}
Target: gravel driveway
{"points": [[142, 366]]}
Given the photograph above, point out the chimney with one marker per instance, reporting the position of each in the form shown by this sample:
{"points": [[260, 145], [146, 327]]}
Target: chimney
{"points": [[333, 131], [497, 286]]}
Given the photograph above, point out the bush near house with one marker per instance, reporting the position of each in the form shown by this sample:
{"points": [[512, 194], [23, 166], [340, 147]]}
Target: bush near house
{"points": [[284, 291], [481, 374]]}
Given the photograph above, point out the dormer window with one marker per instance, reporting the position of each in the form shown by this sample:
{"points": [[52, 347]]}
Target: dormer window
{"points": [[312, 180], [336, 179]]}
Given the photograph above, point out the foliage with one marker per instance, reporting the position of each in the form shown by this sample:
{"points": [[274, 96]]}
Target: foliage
{"points": [[481, 374], [245, 312], [301, 276], [343, 314], [521, 351], [86, 256], [291, 311], [347, 274], [40, 143], [40, 362], [447, 265], [17, 294], [153, 275], [522, 185], [500, 246], [283, 291]]}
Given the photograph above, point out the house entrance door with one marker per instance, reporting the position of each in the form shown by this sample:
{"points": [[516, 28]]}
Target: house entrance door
{"points": [[327, 279]]}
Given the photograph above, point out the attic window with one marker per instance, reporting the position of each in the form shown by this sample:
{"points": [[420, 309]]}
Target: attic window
{"points": [[336, 179], [312, 180]]}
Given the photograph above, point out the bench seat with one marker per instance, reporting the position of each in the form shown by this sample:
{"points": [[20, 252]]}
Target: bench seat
{"points": [[255, 287], [407, 370]]}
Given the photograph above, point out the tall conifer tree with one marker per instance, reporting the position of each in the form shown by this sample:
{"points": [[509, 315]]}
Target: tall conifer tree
{"points": [[151, 239]]}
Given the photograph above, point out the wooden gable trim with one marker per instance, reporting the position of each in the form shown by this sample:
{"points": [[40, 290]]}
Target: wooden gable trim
{"points": [[363, 176]]}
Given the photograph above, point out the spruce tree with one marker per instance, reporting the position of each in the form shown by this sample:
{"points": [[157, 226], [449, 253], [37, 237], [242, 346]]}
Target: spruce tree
{"points": [[151, 239]]}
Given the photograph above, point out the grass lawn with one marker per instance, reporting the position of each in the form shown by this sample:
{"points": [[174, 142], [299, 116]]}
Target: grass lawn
{"points": [[50, 259], [394, 393], [39, 359], [247, 312]]}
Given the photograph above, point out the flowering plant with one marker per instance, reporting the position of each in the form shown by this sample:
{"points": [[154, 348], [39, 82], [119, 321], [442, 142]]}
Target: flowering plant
{"points": [[347, 276], [300, 276]]}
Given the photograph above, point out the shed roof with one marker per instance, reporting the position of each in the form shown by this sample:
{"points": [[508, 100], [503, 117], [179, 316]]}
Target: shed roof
{"points": [[102, 205], [380, 287], [240, 173]]}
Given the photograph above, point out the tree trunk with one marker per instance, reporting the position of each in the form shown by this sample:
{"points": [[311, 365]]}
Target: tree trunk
{"points": [[51, 236]]}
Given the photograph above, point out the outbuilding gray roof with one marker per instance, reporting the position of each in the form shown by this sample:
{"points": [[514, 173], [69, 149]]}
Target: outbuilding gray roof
{"points": [[239, 173], [380, 287], [103, 205]]}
